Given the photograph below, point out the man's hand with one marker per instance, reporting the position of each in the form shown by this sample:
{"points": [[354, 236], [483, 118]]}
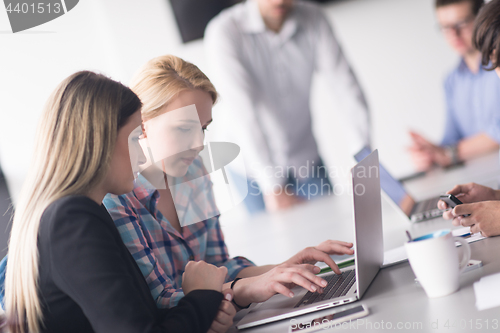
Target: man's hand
{"points": [[484, 217], [224, 318], [322, 252], [425, 154], [468, 193]]}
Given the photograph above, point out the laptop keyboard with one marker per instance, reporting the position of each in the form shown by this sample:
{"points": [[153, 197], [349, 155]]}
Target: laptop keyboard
{"points": [[429, 204], [426, 209], [338, 286]]}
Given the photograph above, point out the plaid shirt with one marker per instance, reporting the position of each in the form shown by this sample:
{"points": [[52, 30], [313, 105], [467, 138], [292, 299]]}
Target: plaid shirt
{"points": [[161, 252]]}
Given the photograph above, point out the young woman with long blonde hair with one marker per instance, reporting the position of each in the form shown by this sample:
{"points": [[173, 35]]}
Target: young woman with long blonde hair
{"points": [[68, 269], [158, 222]]}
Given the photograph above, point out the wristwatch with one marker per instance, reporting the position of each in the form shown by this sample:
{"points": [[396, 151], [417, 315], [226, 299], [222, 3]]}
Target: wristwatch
{"points": [[452, 152], [241, 307]]}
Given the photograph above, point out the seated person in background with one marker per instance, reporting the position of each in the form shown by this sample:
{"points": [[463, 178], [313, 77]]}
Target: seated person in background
{"points": [[482, 203], [262, 55], [472, 95], [171, 219], [68, 269]]}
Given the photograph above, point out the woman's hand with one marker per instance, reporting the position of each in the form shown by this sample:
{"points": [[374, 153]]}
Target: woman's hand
{"points": [[279, 279], [200, 275], [322, 252], [224, 318]]}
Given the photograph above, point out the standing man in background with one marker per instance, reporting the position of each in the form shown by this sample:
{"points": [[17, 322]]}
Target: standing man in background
{"points": [[262, 55], [472, 95]]}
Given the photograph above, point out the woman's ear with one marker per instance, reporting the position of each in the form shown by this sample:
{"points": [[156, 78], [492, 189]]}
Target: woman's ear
{"points": [[143, 131]]}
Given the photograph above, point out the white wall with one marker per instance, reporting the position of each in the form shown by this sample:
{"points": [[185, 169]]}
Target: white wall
{"points": [[393, 45], [401, 60]]}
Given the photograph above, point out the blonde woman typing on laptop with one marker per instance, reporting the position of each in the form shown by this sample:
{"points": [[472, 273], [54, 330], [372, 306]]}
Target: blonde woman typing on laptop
{"points": [[68, 269], [481, 205], [170, 218]]}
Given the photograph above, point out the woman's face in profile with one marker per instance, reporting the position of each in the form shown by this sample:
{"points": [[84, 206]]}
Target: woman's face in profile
{"points": [[126, 157], [176, 136]]}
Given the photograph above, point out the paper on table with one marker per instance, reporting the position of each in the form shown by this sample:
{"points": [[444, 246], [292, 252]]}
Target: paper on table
{"points": [[487, 292], [464, 231], [394, 256]]}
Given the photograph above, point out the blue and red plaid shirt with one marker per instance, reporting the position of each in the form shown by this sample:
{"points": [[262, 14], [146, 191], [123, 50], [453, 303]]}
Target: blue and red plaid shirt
{"points": [[161, 252]]}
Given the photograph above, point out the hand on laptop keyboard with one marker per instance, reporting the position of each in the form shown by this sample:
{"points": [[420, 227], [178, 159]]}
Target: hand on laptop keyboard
{"points": [[280, 279], [321, 253], [338, 286]]}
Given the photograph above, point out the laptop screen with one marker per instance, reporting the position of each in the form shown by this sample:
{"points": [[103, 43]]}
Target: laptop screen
{"points": [[392, 187]]}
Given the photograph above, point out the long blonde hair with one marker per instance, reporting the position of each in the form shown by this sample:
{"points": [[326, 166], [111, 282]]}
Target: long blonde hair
{"points": [[162, 78], [74, 144]]}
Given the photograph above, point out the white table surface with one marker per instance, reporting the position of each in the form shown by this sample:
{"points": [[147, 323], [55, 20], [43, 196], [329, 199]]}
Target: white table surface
{"points": [[393, 296]]}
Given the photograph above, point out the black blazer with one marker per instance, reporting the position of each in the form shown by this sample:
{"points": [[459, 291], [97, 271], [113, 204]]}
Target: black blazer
{"points": [[89, 281]]}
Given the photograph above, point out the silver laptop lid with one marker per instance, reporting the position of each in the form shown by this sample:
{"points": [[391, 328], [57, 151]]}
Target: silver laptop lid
{"points": [[368, 238]]}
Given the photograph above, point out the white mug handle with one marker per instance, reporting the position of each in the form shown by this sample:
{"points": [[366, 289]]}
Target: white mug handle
{"points": [[466, 254]]}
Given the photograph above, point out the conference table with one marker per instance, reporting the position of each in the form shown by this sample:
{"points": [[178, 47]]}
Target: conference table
{"points": [[395, 301]]}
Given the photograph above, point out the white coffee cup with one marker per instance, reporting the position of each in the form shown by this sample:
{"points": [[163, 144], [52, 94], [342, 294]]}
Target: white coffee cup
{"points": [[434, 260]]}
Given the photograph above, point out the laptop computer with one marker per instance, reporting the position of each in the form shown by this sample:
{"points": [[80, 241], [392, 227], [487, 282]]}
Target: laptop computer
{"points": [[368, 251], [416, 211]]}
